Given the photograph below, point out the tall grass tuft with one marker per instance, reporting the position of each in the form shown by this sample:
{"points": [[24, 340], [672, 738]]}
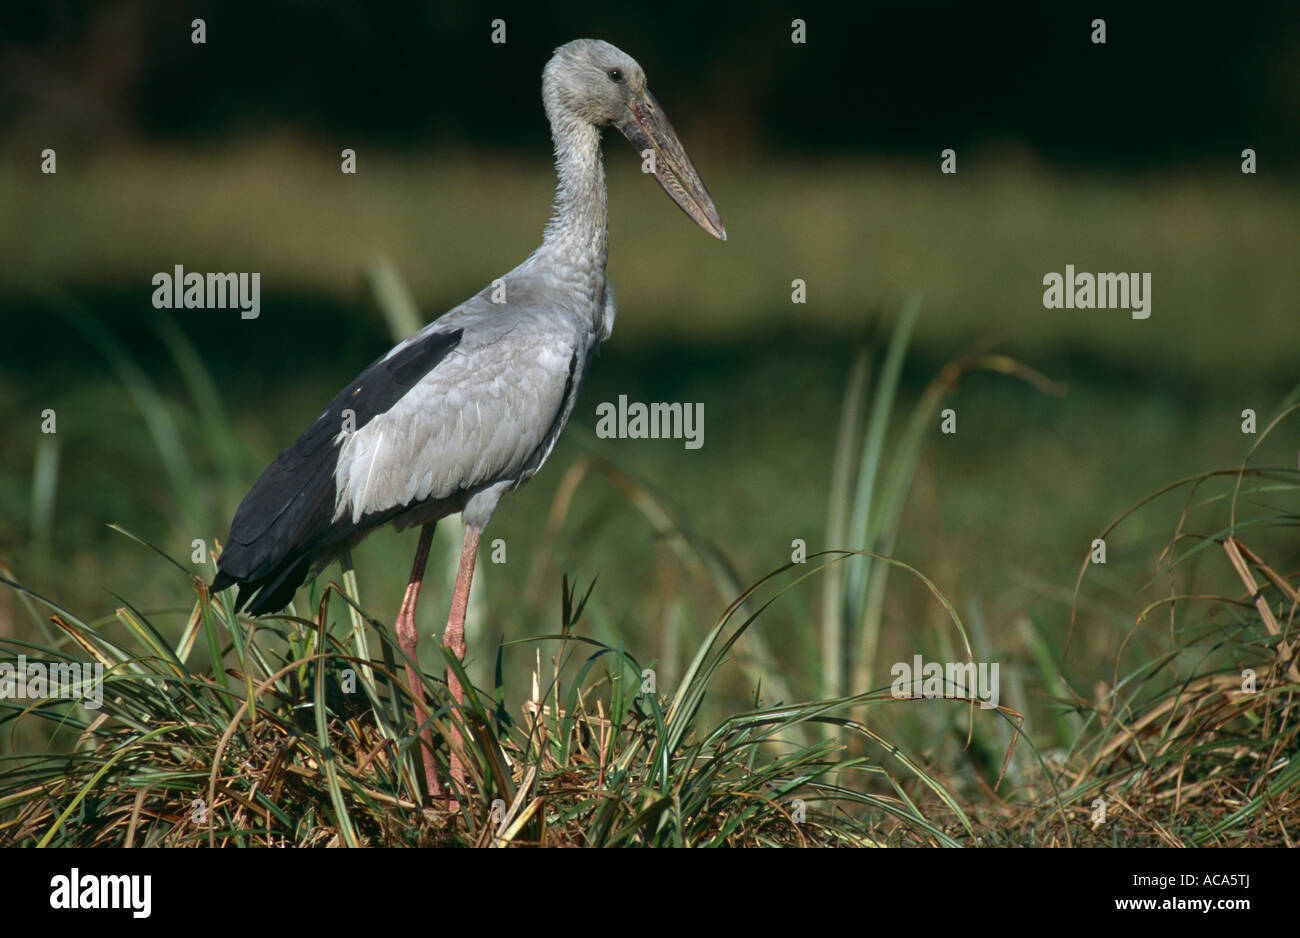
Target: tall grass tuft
{"points": [[871, 477], [283, 737], [1193, 739]]}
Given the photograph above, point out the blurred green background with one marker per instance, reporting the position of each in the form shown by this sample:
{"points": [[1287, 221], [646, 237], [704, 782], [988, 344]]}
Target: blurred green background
{"points": [[823, 160]]}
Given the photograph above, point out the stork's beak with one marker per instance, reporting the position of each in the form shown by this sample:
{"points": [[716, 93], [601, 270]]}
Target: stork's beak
{"points": [[646, 127]]}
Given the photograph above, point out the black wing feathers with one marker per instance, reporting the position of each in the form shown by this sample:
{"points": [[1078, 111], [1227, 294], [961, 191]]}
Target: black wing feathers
{"points": [[286, 517]]}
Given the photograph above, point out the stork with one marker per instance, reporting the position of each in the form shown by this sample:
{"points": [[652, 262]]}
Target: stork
{"points": [[469, 407]]}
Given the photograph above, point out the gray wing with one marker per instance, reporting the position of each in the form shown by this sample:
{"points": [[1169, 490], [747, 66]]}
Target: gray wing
{"points": [[482, 415]]}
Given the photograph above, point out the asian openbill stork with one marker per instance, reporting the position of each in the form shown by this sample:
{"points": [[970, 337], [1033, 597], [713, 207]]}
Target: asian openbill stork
{"points": [[469, 407]]}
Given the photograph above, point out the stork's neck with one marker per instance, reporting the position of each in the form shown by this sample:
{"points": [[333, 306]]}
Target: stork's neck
{"points": [[577, 236]]}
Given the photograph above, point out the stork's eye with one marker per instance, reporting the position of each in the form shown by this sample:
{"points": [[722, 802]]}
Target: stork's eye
{"points": [[615, 74]]}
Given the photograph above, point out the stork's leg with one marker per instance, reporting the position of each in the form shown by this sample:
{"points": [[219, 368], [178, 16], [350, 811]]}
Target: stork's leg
{"points": [[408, 639], [454, 638]]}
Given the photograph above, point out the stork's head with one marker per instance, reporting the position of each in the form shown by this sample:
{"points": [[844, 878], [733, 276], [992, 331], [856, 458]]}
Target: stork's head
{"points": [[598, 84]]}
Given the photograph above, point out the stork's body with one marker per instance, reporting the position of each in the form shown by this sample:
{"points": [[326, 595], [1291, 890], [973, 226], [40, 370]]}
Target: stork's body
{"points": [[469, 407]]}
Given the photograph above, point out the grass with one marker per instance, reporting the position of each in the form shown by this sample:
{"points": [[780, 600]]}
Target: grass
{"points": [[294, 744], [290, 743], [1194, 743], [1119, 688], [284, 736]]}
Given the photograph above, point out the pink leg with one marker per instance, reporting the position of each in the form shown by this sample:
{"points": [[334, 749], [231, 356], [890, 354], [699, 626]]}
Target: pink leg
{"points": [[408, 639], [454, 638]]}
